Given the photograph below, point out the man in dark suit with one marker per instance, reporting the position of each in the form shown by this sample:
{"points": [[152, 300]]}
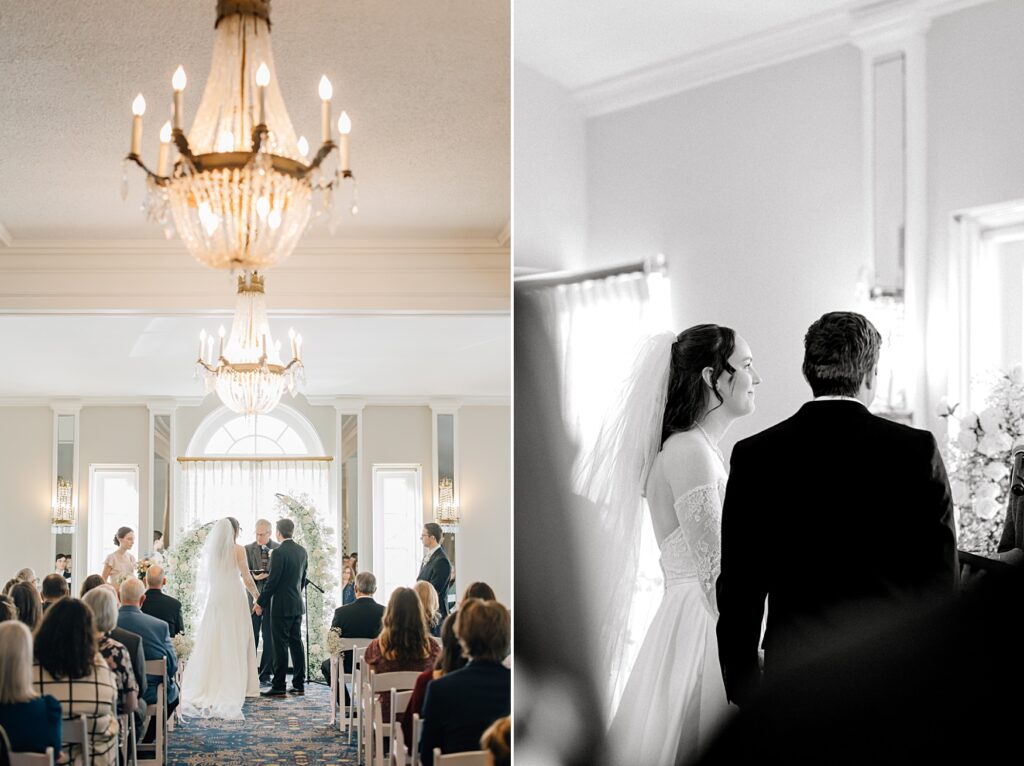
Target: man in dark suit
{"points": [[156, 639], [158, 604], [836, 515], [436, 567], [360, 619], [460, 705], [258, 555], [1011, 544], [282, 595]]}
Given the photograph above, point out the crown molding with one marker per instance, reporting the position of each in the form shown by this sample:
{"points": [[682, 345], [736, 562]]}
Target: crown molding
{"points": [[166, 405], [804, 37], [505, 234], [5, 236]]}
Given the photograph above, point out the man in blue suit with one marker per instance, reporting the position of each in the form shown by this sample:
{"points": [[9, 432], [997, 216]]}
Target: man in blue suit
{"points": [[156, 639]]}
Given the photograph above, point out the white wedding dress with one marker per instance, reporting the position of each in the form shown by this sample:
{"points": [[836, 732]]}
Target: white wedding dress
{"points": [[221, 671], [674, 700]]}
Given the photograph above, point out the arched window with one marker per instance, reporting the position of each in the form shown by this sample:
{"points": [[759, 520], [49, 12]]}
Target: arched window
{"points": [[236, 466]]}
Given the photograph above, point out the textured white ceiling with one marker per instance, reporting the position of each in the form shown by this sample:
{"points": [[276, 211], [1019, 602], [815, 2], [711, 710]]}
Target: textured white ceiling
{"points": [[578, 43], [122, 356], [425, 82]]}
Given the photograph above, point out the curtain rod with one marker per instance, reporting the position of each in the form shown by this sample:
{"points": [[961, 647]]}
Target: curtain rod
{"points": [[304, 459], [647, 266]]}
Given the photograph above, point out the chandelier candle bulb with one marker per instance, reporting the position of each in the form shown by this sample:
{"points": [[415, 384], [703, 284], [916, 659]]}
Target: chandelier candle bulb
{"points": [[138, 109], [202, 342], [220, 332], [178, 82], [344, 128], [303, 147], [326, 91], [262, 81], [165, 149], [291, 337]]}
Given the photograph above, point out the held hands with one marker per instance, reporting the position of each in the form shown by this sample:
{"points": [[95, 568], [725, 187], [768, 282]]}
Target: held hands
{"points": [[257, 609], [259, 577]]}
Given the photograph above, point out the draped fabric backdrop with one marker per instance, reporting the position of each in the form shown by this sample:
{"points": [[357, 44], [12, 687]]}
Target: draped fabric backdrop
{"points": [[599, 325], [246, 489]]}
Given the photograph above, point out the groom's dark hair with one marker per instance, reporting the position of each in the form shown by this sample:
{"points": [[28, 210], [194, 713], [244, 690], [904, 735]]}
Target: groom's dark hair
{"points": [[840, 352], [286, 527]]}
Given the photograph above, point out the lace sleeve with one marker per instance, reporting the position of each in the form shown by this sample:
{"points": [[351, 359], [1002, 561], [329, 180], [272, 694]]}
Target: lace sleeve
{"points": [[700, 524]]}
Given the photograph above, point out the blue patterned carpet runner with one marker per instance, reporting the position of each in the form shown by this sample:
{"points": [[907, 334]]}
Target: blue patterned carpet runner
{"points": [[276, 732]]}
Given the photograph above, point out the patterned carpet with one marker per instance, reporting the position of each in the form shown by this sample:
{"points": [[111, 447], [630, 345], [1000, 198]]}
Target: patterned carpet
{"points": [[276, 732]]}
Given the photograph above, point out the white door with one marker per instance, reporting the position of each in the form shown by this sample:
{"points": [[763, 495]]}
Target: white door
{"points": [[397, 521]]}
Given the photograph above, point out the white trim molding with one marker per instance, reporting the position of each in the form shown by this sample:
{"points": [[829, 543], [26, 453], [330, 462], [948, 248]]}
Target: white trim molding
{"points": [[357, 276], [804, 37], [5, 236]]}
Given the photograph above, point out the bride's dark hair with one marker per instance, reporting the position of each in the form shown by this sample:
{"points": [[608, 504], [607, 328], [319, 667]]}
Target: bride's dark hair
{"points": [[704, 345], [234, 525]]}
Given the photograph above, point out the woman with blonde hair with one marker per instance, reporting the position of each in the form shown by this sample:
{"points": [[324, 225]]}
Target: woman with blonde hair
{"points": [[32, 722], [404, 642], [431, 606]]}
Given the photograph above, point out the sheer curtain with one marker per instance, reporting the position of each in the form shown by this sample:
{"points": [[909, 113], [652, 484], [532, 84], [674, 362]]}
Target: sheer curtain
{"points": [[246, 489], [599, 323]]}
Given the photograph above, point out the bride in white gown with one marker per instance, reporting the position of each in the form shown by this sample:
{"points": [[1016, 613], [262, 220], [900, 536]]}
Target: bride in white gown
{"points": [[221, 672], [662, 444]]}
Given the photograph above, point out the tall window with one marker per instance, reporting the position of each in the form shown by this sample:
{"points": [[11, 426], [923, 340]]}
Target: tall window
{"points": [[113, 503], [236, 466], [397, 521]]}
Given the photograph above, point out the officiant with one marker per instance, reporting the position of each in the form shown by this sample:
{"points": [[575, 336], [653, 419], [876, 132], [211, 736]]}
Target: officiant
{"points": [[258, 555]]}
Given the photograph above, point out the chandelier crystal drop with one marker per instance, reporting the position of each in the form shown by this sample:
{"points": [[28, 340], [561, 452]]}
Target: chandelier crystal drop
{"points": [[247, 372], [447, 512], [240, 192]]}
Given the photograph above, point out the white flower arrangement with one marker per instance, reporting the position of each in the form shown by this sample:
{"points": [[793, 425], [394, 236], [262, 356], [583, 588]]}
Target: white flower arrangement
{"points": [[979, 459], [335, 643], [182, 646]]}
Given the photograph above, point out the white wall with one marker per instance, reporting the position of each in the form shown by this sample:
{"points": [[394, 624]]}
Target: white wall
{"points": [[114, 435], [484, 543], [550, 177], [26, 489], [752, 188], [975, 142]]}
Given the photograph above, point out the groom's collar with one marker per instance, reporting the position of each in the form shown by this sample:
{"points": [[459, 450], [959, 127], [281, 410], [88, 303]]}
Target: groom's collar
{"points": [[839, 399]]}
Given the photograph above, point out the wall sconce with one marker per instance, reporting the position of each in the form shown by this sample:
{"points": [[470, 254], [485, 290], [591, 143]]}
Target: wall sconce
{"points": [[447, 512], [63, 519]]}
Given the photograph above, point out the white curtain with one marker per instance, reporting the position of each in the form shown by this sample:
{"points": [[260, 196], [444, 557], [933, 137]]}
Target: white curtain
{"points": [[246, 489], [599, 326]]}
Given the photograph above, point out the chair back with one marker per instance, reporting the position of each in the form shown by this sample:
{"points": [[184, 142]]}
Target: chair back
{"points": [[23, 759], [414, 746], [472, 758], [76, 732], [159, 712], [402, 680], [399, 755]]}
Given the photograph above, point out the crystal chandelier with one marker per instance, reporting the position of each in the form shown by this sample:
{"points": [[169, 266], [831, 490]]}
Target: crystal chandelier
{"points": [[248, 374], [240, 191], [447, 512], [63, 520]]}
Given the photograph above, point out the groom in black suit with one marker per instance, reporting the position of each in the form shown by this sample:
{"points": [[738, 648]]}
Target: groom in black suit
{"points": [[282, 593], [838, 516], [436, 568]]}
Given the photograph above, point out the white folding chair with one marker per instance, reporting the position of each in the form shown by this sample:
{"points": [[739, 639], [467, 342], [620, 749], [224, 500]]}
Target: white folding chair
{"points": [[472, 758], [358, 646], [129, 754], [365, 735], [399, 756], [157, 711], [398, 681], [417, 734], [76, 732], [23, 758], [382, 730]]}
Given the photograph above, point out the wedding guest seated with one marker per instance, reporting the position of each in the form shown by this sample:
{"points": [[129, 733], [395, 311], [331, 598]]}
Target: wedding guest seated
{"points": [[461, 705], [479, 590], [360, 619], [32, 722], [348, 586], [8, 611], [104, 613], [133, 643], [28, 574], [497, 741], [159, 604], [10, 584], [404, 642], [431, 606], [92, 581], [55, 587], [68, 666], [26, 601], [156, 640], [451, 659]]}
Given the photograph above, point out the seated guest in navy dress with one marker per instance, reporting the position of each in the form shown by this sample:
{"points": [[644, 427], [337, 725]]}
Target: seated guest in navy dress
{"points": [[32, 722], [460, 706]]}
